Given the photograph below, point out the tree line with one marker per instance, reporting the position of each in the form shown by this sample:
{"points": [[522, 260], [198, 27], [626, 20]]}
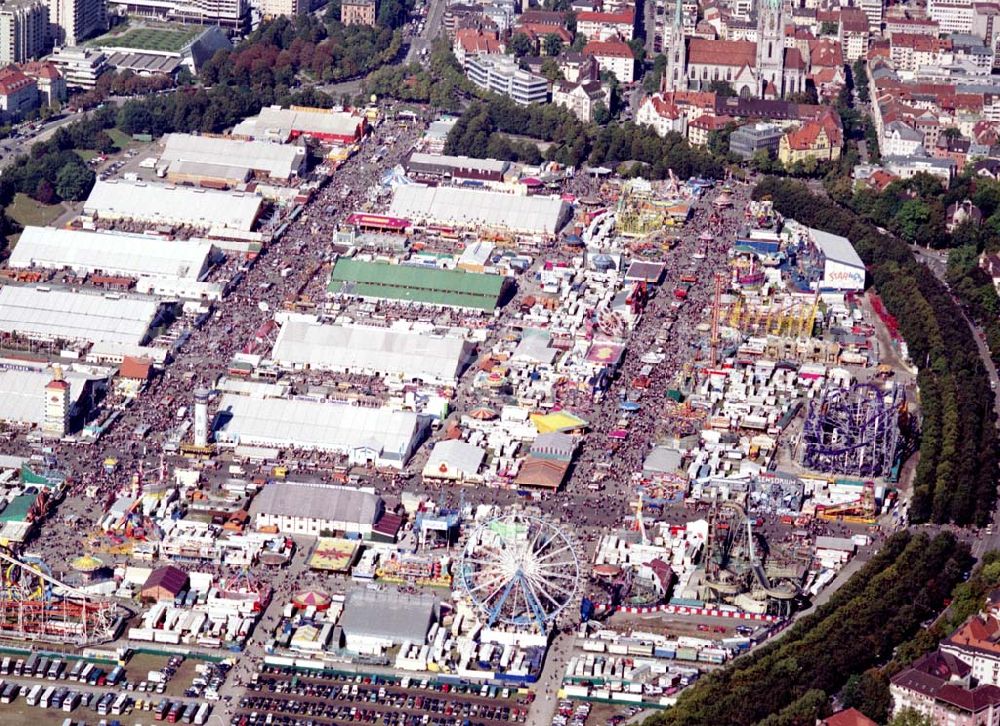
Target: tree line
{"points": [[788, 682], [628, 147], [956, 476]]}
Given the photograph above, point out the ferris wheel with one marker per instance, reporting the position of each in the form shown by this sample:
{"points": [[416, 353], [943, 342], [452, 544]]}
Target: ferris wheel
{"points": [[519, 570]]}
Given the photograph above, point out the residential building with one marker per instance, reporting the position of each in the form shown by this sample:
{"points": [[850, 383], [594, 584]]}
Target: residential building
{"points": [[614, 56], [812, 140], [702, 127], [357, 12], [577, 67], [853, 33], [473, 41], [953, 16], [909, 53], [24, 30], [663, 114], [581, 98], [748, 140], [906, 167], [915, 26], [847, 717], [18, 93], [939, 685], [500, 74], [51, 84], [80, 67], [602, 25], [899, 139], [229, 14], [873, 10], [986, 22], [72, 21], [287, 8]]}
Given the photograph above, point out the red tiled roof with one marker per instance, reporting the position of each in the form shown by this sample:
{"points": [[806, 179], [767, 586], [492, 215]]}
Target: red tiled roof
{"points": [[736, 53], [608, 49], [710, 123], [848, 717], [476, 41], [545, 473], [793, 59], [804, 137], [854, 20], [12, 81], [135, 368], [920, 42], [626, 17]]}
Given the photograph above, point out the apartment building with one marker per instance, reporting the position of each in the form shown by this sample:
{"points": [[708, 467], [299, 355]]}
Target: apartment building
{"points": [[501, 74], [24, 30]]}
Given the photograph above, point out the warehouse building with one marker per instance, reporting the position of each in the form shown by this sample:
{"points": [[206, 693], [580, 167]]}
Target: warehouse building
{"points": [[458, 169], [375, 620], [281, 125], [40, 313], [22, 394], [314, 508], [843, 268], [113, 253], [197, 159], [479, 209], [408, 283], [400, 354], [160, 204], [367, 436]]}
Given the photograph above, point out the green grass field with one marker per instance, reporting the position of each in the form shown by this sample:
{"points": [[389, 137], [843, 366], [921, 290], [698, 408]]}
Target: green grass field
{"points": [[26, 211], [161, 39], [121, 139]]}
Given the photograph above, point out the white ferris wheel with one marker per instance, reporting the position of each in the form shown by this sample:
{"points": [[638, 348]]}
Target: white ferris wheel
{"points": [[519, 570]]}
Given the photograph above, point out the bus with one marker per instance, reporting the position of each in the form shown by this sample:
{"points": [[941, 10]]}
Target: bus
{"points": [[55, 667], [41, 667], [104, 705], [5, 666], [84, 675], [58, 697], [71, 701], [189, 711], [33, 694], [120, 704], [10, 693], [31, 664], [175, 711], [117, 673], [161, 710], [46, 697], [202, 716], [76, 670]]}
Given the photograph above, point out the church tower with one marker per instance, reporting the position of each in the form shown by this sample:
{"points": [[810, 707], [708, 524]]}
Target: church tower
{"points": [[770, 46], [675, 74]]}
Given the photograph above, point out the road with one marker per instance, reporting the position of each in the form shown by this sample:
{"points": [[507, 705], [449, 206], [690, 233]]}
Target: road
{"points": [[937, 263], [432, 25], [12, 147]]}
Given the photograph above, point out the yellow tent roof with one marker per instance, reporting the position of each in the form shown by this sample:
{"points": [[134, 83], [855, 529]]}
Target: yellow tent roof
{"points": [[548, 423]]}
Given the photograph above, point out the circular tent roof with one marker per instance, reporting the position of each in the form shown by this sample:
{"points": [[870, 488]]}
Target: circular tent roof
{"points": [[86, 563], [312, 598]]}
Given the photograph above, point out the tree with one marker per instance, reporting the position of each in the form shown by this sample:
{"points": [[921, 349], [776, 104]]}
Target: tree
{"points": [[601, 113], [828, 27], [520, 45], [912, 717], [552, 44], [392, 14], [74, 182], [44, 192], [951, 133], [721, 88], [550, 69]]}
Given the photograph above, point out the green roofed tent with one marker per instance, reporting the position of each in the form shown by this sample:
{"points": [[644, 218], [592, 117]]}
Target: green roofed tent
{"points": [[18, 508], [432, 286]]}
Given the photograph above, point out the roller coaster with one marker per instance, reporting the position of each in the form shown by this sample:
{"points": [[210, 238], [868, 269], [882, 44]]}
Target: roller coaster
{"points": [[854, 431], [734, 563], [36, 606]]}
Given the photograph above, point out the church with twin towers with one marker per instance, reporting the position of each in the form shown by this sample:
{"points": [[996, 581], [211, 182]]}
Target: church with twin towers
{"points": [[761, 69]]}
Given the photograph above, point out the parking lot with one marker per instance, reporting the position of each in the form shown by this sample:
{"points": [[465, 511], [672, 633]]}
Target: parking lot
{"points": [[285, 697]]}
